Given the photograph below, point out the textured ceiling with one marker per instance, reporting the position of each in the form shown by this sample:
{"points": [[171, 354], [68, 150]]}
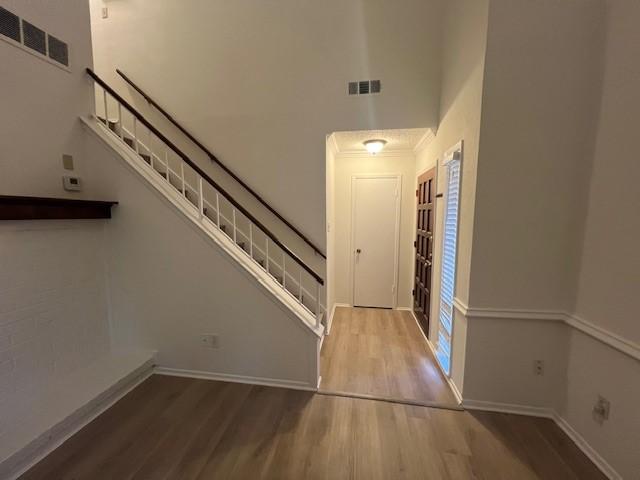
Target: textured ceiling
{"points": [[404, 139]]}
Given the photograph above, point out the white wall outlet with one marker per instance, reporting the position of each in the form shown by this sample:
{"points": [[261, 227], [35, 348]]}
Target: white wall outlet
{"points": [[601, 410], [538, 367], [105, 12], [71, 183], [209, 340]]}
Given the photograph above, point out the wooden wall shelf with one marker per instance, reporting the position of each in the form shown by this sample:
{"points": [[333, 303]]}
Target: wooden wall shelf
{"points": [[38, 208]]}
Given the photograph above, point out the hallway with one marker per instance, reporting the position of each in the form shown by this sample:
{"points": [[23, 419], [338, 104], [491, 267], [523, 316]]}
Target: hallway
{"points": [[381, 353]]}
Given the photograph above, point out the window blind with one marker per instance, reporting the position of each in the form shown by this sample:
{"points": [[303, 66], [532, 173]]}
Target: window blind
{"points": [[448, 272]]}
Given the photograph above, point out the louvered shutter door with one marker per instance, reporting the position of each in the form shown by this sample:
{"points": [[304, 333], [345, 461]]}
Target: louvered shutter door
{"points": [[448, 274]]}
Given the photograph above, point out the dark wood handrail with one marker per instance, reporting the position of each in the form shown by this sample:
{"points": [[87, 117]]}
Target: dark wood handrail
{"points": [[219, 163], [201, 172]]}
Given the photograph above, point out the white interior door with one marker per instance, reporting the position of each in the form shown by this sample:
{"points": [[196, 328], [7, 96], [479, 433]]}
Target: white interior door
{"points": [[374, 240]]}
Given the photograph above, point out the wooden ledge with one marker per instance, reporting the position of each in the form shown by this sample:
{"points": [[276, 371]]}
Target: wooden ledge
{"points": [[38, 208]]}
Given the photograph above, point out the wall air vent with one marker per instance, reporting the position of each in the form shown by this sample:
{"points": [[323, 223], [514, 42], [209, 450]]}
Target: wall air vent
{"points": [[25, 35], [58, 51], [364, 87], [9, 25], [34, 38]]}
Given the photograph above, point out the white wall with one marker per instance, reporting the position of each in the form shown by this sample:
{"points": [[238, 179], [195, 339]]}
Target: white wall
{"points": [[262, 83], [541, 81], [41, 102], [609, 278], [170, 284], [53, 303], [464, 40], [53, 308], [538, 290], [538, 109], [346, 166]]}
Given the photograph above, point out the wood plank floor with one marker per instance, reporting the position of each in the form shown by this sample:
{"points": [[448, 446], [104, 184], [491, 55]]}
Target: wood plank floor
{"points": [[382, 353], [179, 428]]}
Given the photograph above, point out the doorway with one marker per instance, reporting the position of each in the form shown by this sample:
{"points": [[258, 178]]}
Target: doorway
{"points": [[375, 227]]}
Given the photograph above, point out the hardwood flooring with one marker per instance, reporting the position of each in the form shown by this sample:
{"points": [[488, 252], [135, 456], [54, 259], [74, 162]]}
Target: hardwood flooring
{"points": [[381, 353], [188, 429]]}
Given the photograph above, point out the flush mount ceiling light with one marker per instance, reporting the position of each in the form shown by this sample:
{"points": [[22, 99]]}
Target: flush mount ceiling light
{"points": [[375, 146]]}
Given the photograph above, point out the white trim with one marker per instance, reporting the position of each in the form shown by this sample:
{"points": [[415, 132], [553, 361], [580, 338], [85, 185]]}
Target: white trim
{"points": [[611, 339], [452, 385], [544, 412], [586, 448], [424, 142], [450, 155], [396, 259], [59, 434], [226, 377], [515, 409]]}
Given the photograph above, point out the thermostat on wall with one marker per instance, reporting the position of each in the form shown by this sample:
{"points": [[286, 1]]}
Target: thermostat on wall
{"points": [[72, 184]]}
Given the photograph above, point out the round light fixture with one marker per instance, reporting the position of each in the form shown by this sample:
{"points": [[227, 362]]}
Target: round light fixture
{"points": [[375, 146]]}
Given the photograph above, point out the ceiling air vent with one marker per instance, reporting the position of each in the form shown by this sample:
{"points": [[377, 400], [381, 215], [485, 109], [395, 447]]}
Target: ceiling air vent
{"points": [[9, 25], [365, 87], [25, 34]]}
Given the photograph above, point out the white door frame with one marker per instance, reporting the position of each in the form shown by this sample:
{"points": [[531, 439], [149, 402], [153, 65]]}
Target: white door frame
{"points": [[354, 178]]}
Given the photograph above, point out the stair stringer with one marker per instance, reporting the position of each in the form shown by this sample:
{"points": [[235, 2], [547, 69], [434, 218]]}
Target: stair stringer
{"points": [[204, 225]]}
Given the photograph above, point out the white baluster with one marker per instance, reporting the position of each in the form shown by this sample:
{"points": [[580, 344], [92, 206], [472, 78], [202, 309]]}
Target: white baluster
{"points": [[318, 309], [181, 173], [267, 255], [106, 116], [284, 271], [151, 153], [218, 207], [166, 167], [120, 121], [234, 226], [135, 135], [251, 240], [200, 198]]}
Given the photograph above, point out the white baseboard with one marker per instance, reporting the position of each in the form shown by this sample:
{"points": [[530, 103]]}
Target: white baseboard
{"points": [[550, 413], [516, 409], [333, 312], [225, 377], [587, 449], [71, 425]]}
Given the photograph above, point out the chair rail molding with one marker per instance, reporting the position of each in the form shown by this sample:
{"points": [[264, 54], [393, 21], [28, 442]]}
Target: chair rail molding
{"points": [[611, 339]]}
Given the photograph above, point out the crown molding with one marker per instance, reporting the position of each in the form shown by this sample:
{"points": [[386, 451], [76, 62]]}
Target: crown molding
{"points": [[426, 139]]}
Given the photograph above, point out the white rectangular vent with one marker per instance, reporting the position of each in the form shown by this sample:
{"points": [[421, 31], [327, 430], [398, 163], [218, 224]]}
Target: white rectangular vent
{"points": [[364, 87], [36, 40]]}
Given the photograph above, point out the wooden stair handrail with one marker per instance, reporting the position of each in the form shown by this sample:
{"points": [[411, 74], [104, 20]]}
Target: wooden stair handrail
{"points": [[219, 163], [204, 175]]}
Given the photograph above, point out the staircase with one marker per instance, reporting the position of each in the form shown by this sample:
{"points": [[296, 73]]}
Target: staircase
{"points": [[209, 206]]}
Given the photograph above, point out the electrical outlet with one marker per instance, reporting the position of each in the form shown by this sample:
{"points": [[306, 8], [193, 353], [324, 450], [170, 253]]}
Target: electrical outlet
{"points": [[209, 341], [601, 410], [538, 367]]}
